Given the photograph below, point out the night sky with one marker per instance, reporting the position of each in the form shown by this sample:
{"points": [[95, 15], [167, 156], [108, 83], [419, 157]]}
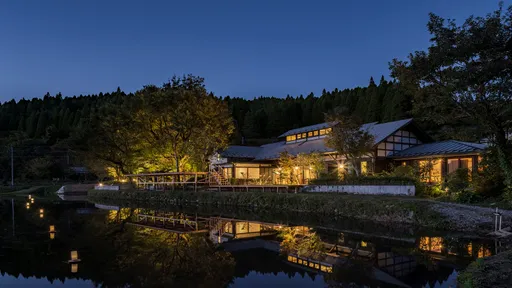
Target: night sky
{"points": [[241, 48]]}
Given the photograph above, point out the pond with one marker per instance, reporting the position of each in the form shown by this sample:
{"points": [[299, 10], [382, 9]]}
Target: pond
{"points": [[82, 244]]}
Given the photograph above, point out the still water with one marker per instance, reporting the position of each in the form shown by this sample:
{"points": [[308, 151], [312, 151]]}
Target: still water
{"points": [[81, 244]]}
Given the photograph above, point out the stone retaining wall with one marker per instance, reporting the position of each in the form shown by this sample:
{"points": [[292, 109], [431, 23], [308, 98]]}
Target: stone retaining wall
{"points": [[399, 190]]}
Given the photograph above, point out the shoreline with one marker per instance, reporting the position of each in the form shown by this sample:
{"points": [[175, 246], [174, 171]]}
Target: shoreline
{"points": [[384, 210]]}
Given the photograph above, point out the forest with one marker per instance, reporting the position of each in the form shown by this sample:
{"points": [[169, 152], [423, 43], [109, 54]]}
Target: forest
{"points": [[47, 134]]}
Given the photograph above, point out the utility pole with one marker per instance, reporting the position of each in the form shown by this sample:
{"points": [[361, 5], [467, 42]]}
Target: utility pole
{"points": [[12, 166], [13, 225]]}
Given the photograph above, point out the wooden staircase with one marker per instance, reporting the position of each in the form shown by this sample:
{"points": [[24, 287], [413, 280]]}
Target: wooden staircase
{"points": [[217, 178]]}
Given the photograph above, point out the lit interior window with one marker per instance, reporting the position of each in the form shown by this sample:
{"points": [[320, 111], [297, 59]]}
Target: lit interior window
{"points": [[322, 131], [310, 134], [315, 133], [364, 167]]}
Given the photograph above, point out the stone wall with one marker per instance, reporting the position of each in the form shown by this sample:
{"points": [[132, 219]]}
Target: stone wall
{"points": [[399, 190]]}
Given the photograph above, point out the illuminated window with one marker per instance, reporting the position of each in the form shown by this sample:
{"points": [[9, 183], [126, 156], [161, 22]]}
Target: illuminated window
{"points": [[311, 264], [430, 171], [310, 134], [364, 244], [299, 261], [328, 130], [484, 252], [290, 258], [299, 136], [433, 244], [364, 167], [322, 131], [291, 138], [317, 266], [315, 133], [303, 135], [466, 163]]}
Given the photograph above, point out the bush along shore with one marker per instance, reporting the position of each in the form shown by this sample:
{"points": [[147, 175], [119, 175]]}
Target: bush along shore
{"points": [[380, 209], [490, 272]]}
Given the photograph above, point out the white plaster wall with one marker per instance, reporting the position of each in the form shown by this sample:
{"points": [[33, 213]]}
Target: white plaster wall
{"points": [[106, 187], [404, 190]]}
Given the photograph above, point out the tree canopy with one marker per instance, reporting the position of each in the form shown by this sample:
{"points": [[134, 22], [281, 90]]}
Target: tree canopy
{"points": [[464, 79]]}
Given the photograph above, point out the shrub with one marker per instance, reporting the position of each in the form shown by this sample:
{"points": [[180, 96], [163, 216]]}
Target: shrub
{"points": [[429, 191], [458, 180], [365, 180], [466, 196]]}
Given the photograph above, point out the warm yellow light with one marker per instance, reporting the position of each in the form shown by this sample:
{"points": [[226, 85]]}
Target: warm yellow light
{"points": [[52, 228], [52, 235], [28, 207], [41, 211], [74, 267], [41, 215], [310, 167], [74, 255], [296, 168], [29, 196], [32, 200], [364, 244], [340, 166], [101, 184]]}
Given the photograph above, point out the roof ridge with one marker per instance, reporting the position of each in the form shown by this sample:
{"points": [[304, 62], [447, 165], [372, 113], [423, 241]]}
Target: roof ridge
{"points": [[470, 144]]}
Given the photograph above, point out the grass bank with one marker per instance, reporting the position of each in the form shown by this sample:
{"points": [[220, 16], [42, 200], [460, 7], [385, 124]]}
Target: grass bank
{"points": [[490, 272], [381, 209]]}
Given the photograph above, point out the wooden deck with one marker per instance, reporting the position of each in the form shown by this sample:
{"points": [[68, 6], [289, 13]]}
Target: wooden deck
{"points": [[187, 225]]}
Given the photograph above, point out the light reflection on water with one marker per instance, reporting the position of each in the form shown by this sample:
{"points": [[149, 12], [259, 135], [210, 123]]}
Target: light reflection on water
{"points": [[140, 247]]}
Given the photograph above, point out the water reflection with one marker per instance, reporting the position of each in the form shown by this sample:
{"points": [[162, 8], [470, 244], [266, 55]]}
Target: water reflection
{"points": [[139, 247]]}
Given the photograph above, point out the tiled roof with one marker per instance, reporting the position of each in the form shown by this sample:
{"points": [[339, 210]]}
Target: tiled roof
{"points": [[236, 151], [307, 128], [440, 148]]}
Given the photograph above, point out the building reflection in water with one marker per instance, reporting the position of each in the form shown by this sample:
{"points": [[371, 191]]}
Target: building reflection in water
{"points": [[335, 247]]}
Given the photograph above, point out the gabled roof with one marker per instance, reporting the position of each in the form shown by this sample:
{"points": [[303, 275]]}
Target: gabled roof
{"points": [[307, 129], [236, 151], [440, 148], [272, 151], [381, 131]]}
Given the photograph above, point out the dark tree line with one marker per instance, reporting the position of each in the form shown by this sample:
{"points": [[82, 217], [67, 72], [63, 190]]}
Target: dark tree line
{"points": [[268, 117]]}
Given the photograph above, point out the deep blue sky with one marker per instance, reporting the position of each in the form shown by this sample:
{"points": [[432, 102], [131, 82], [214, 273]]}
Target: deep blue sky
{"points": [[242, 48]]}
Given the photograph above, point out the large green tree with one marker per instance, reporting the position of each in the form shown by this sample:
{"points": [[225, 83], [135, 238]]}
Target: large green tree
{"points": [[465, 76], [349, 138]]}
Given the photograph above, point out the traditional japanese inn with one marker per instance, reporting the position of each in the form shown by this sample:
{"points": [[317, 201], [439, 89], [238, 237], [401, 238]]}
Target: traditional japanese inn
{"points": [[396, 143]]}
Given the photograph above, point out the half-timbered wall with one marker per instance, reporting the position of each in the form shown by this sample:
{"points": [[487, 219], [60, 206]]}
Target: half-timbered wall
{"points": [[399, 141]]}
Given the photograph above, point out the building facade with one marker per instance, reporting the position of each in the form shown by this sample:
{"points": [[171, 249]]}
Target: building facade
{"points": [[396, 143]]}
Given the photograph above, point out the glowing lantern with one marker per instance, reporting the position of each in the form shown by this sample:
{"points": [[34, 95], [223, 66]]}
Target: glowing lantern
{"points": [[74, 267], [52, 229]]}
